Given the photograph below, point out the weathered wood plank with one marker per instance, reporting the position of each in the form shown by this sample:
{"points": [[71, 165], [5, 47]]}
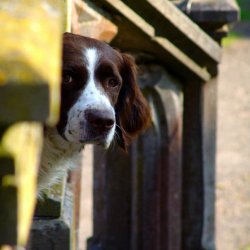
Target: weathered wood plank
{"points": [[136, 34], [161, 150], [214, 11], [112, 199], [90, 23], [169, 22], [52, 231], [29, 54], [52, 234], [192, 187], [209, 124], [23, 142], [199, 165]]}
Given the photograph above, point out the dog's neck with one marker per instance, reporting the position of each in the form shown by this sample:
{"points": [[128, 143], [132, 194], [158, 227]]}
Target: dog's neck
{"points": [[58, 156]]}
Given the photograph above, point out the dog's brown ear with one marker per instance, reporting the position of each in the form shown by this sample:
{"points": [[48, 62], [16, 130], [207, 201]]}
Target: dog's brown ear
{"points": [[133, 112]]}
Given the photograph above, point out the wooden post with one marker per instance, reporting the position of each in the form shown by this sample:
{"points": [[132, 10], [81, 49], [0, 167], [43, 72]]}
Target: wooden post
{"points": [[52, 226], [199, 165], [209, 153]]}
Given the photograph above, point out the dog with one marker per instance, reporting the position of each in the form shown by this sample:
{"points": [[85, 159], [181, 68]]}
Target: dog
{"points": [[100, 102]]}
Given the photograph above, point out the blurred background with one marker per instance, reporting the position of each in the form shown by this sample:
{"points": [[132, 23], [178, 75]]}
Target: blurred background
{"points": [[233, 141]]}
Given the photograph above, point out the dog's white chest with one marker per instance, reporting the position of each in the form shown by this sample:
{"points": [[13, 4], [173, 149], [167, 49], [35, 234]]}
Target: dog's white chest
{"points": [[58, 157]]}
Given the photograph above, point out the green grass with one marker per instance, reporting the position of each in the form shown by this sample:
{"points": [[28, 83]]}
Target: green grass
{"points": [[245, 16], [246, 248], [245, 9], [232, 37]]}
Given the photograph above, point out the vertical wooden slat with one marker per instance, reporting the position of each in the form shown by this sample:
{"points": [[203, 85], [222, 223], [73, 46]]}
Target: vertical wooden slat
{"points": [[136, 193], [69, 15], [173, 180], [193, 190], [162, 166], [75, 182], [150, 211], [199, 165], [209, 152], [8, 199], [100, 207], [118, 200]]}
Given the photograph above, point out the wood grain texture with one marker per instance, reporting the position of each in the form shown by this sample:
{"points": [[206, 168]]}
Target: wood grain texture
{"points": [[169, 22], [199, 144], [135, 34], [29, 54], [214, 11], [23, 143]]}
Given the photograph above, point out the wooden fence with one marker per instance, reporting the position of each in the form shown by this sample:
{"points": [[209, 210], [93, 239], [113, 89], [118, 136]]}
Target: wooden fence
{"points": [[160, 196]]}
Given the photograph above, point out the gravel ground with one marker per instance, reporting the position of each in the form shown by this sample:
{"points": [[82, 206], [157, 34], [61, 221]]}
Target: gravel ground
{"points": [[233, 148]]}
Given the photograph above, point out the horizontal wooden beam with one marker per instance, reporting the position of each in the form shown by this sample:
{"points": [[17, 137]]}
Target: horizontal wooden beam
{"points": [[169, 22], [135, 34], [214, 11]]}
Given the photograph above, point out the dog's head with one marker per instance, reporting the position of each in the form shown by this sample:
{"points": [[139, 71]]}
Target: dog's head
{"points": [[100, 97]]}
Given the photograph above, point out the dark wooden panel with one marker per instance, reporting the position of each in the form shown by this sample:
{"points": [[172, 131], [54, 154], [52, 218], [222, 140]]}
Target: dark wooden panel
{"points": [[161, 179], [112, 199], [214, 12], [8, 201], [50, 235], [192, 188], [53, 225], [199, 165], [24, 102]]}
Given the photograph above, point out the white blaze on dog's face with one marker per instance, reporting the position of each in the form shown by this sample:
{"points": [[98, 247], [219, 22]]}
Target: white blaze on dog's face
{"points": [[92, 118], [100, 97]]}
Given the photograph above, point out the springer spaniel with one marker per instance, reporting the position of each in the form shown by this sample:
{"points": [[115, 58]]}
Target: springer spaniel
{"points": [[100, 102]]}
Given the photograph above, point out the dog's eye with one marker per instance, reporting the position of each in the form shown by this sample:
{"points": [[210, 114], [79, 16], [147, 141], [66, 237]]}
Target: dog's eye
{"points": [[112, 82], [67, 79]]}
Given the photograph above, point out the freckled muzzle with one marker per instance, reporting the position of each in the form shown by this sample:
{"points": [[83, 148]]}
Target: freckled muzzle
{"points": [[91, 118], [97, 125], [100, 120]]}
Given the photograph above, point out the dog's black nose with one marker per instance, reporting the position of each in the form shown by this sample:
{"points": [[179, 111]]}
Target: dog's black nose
{"points": [[102, 120]]}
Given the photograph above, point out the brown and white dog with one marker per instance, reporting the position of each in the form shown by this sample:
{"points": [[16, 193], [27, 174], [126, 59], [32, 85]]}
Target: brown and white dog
{"points": [[100, 102]]}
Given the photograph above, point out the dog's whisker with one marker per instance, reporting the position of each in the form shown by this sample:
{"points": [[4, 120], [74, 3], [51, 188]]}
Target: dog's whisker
{"points": [[121, 128]]}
